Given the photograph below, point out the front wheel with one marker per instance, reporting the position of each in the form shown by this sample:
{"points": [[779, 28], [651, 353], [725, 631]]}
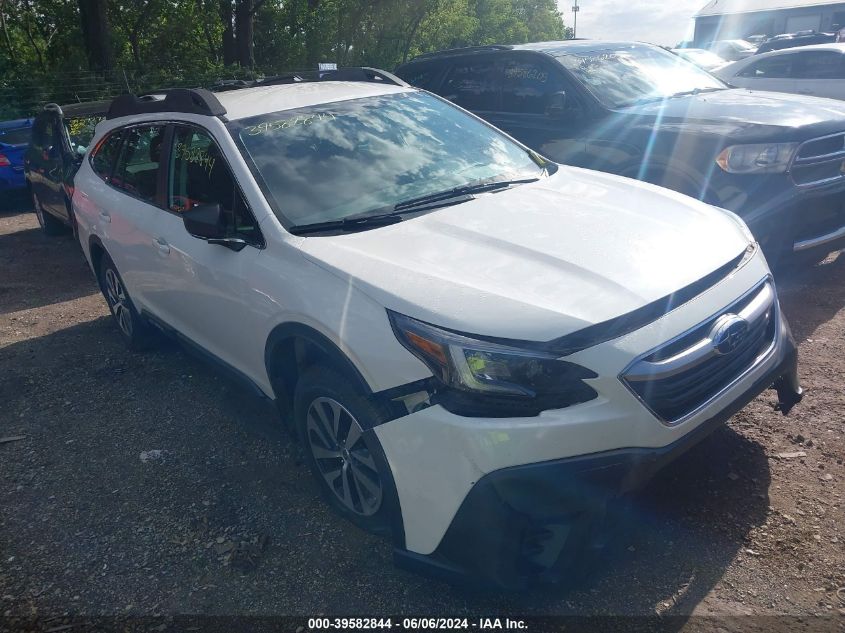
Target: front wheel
{"points": [[344, 458]]}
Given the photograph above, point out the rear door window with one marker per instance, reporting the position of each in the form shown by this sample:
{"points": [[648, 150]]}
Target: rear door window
{"points": [[527, 86], [137, 169], [473, 84], [818, 65]]}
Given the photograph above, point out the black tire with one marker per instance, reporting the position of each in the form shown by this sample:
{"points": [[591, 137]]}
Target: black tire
{"points": [[359, 464], [134, 330], [50, 225]]}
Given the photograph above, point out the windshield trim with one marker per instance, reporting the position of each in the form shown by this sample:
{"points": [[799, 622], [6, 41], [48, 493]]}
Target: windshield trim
{"points": [[548, 167]]}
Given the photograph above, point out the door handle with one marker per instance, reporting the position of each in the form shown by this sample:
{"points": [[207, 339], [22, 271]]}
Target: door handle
{"points": [[105, 217], [162, 246]]}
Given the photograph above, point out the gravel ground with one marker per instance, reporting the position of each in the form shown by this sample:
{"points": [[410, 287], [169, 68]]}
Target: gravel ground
{"points": [[149, 484]]}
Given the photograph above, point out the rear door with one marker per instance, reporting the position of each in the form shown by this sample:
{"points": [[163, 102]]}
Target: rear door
{"points": [[820, 73], [129, 208], [770, 73], [540, 107], [474, 83]]}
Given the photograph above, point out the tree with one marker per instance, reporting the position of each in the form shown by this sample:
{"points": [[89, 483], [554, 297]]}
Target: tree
{"points": [[96, 33]]}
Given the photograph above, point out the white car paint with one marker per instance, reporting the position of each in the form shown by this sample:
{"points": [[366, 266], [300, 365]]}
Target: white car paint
{"points": [[800, 67], [535, 262]]}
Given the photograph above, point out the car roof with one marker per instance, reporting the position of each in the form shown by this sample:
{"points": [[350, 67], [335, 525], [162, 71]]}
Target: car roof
{"points": [[88, 108], [249, 102], [554, 48], [575, 47], [838, 48]]}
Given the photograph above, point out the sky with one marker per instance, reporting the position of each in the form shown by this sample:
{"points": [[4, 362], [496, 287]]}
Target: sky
{"points": [[662, 22]]}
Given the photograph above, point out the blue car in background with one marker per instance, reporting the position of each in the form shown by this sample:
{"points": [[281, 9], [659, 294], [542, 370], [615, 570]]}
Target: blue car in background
{"points": [[14, 140]]}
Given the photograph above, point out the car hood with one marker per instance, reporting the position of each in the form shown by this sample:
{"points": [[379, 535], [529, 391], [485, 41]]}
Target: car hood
{"points": [[537, 261], [747, 112]]}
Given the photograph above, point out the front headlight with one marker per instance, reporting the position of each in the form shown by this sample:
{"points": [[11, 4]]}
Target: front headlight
{"points": [[497, 372], [764, 158]]}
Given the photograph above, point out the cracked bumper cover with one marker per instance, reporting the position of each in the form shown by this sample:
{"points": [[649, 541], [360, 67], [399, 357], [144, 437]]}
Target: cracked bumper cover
{"points": [[516, 523]]}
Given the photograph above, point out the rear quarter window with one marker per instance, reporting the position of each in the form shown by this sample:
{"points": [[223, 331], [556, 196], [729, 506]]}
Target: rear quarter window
{"points": [[105, 155]]}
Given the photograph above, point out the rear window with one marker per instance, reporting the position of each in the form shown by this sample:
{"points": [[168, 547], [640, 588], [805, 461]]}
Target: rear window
{"points": [[16, 136]]}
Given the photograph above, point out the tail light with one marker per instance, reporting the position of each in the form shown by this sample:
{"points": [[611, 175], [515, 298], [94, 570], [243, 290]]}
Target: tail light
{"points": [[4, 162]]}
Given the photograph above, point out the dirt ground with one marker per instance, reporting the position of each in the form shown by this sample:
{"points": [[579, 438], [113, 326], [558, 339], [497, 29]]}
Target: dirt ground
{"points": [[226, 519]]}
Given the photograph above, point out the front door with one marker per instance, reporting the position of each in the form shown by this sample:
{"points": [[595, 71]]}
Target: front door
{"points": [[205, 291]]}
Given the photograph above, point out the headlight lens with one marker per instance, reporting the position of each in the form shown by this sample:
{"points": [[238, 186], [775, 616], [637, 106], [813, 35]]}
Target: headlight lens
{"points": [[479, 367], [764, 158]]}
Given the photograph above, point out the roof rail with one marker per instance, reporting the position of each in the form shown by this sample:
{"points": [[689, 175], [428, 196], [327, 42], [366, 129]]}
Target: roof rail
{"points": [[223, 85], [188, 100], [467, 49]]}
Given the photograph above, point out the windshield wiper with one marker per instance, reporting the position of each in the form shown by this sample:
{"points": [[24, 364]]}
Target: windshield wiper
{"points": [[676, 95], [451, 197], [348, 225], [464, 191]]}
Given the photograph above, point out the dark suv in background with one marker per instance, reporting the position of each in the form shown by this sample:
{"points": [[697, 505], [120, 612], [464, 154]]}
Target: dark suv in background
{"points": [[637, 110], [60, 138]]}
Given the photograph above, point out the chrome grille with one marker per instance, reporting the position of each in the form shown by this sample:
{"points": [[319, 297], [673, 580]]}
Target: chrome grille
{"points": [[683, 375], [819, 161]]}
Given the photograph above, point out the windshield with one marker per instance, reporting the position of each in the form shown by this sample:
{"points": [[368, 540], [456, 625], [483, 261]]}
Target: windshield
{"points": [[348, 158], [629, 75]]}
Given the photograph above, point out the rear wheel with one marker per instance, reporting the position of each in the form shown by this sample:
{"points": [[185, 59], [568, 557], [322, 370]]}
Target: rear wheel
{"points": [[345, 459], [134, 331], [49, 224]]}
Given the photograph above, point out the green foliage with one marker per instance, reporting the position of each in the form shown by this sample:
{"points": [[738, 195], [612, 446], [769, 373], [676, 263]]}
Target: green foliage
{"points": [[159, 43]]}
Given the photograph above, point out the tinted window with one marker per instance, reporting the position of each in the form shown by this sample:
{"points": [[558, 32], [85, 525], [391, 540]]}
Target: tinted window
{"points": [[362, 156], [200, 175], [473, 85], [420, 76], [818, 65], [137, 169], [44, 135], [779, 67], [527, 86], [105, 156], [16, 136]]}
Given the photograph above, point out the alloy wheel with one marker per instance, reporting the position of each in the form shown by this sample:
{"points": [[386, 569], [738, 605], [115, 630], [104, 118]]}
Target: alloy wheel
{"points": [[116, 296], [336, 441]]}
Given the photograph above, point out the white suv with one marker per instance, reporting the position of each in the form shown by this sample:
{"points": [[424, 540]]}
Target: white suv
{"points": [[479, 349]]}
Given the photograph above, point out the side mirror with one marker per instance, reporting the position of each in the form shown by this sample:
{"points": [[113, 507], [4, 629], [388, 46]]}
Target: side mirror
{"points": [[556, 105], [205, 221]]}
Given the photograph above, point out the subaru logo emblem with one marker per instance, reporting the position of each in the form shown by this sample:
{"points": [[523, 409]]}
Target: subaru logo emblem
{"points": [[727, 334]]}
